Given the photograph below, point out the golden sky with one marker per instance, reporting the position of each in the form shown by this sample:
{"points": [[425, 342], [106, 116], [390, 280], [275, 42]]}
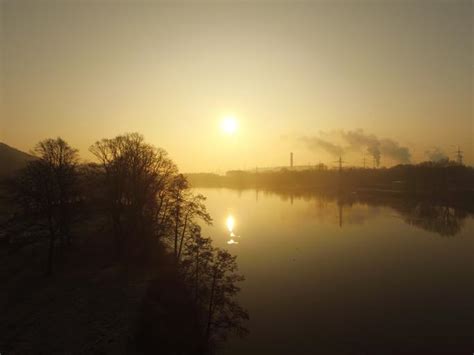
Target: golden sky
{"points": [[289, 72]]}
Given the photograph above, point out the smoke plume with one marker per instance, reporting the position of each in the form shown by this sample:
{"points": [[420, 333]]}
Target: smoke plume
{"points": [[316, 143], [357, 141], [436, 154]]}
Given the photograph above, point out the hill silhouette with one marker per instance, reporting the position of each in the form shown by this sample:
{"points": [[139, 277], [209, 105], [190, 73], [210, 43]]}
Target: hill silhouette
{"points": [[12, 159]]}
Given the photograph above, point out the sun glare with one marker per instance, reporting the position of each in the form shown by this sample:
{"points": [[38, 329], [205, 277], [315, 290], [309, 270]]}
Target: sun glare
{"points": [[229, 125], [230, 223]]}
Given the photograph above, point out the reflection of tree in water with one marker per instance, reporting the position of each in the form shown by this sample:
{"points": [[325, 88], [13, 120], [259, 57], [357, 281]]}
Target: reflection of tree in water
{"points": [[438, 216], [326, 207], [442, 219]]}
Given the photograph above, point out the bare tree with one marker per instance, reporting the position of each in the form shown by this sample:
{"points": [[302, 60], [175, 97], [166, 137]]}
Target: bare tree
{"points": [[179, 190], [47, 190], [194, 208], [197, 257], [186, 209], [136, 175], [224, 314], [212, 274]]}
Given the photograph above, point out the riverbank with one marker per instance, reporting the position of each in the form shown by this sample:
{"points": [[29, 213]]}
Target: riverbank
{"points": [[419, 181], [93, 303]]}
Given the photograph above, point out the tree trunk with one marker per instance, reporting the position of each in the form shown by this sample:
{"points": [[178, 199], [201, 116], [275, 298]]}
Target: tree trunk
{"points": [[176, 233], [196, 278], [182, 236], [49, 271], [117, 234], [52, 238], [210, 310]]}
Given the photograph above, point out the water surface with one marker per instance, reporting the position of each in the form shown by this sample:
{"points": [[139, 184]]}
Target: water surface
{"points": [[337, 276]]}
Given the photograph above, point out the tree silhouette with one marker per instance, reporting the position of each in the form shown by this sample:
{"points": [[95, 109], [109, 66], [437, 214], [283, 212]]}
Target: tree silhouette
{"points": [[47, 190], [212, 275], [224, 313], [153, 216], [134, 177]]}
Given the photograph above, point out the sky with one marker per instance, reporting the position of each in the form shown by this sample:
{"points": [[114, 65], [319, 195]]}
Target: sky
{"points": [[301, 77]]}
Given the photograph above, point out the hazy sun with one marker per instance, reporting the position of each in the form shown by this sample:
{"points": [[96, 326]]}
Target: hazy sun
{"points": [[229, 125], [230, 223]]}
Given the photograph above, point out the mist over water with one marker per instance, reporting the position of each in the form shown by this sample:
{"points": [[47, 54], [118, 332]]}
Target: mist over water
{"points": [[335, 277]]}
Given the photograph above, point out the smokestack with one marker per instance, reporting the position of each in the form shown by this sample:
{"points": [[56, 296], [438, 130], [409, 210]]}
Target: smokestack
{"points": [[291, 160]]}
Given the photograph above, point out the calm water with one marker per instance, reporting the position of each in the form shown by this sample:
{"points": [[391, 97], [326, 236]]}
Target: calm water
{"points": [[329, 277]]}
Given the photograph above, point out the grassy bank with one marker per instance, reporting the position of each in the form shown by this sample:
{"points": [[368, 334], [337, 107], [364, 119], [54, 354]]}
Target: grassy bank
{"points": [[93, 303]]}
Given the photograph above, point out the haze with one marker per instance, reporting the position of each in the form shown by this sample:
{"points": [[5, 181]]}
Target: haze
{"points": [[288, 73]]}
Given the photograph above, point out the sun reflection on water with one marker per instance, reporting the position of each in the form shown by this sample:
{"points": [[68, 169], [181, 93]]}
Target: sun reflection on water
{"points": [[230, 223]]}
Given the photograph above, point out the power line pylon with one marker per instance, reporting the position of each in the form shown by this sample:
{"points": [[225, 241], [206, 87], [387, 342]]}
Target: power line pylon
{"points": [[459, 155], [340, 162]]}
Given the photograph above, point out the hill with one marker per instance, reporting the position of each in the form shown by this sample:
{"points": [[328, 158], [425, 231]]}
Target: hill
{"points": [[12, 159]]}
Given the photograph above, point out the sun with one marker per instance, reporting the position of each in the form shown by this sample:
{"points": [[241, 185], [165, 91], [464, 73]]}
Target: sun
{"points": [[229, 125], [230, 222]]}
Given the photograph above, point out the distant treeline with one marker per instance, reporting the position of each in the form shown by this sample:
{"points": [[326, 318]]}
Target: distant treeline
{"points": [[426, 178]]}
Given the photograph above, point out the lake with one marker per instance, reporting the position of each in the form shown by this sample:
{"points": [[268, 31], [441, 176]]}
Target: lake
{"points": [[328, 275]]}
